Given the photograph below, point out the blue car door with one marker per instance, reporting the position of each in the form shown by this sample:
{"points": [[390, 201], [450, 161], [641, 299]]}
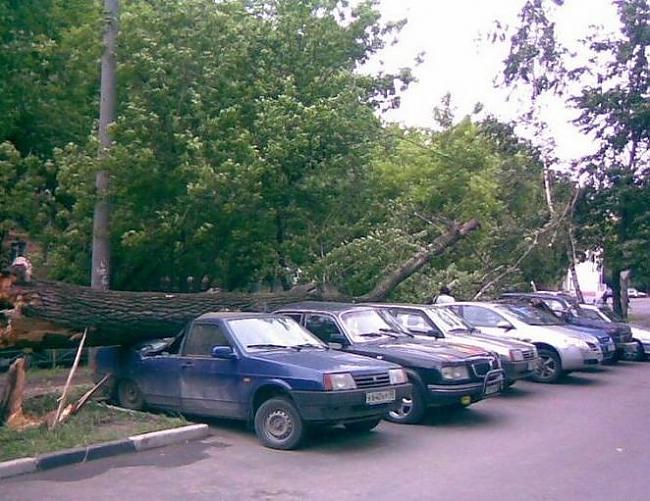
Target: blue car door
{"points": [[209, 386], [160, 382]]}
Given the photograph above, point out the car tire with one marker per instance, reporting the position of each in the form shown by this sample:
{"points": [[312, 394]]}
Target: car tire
{"points": [[278, 424], [549, 369], [412, 410], [363, 426], [129, 395]]}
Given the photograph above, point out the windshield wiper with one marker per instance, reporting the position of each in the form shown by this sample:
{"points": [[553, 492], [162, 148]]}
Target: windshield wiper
{"points": [[378, 334], [310, 345], [269, 345], [395, 332]]}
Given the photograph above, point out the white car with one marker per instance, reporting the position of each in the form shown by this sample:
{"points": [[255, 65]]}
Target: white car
{"points": [[632, 292], [560, 350]]}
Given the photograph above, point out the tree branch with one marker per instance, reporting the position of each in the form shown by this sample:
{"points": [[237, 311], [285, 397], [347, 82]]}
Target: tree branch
{"points": [[454, 233]]}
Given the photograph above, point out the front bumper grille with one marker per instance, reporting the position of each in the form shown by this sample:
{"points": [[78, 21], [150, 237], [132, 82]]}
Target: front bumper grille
{"points": [[371, 380], [529, 355], [482, 367]]}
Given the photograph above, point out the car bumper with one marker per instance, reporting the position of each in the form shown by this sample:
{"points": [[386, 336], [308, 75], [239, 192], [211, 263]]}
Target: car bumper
{"points": [[576, 358], [439, 395], [518, 370], [346, 405], [609, 352], [646, 347], [627, 349]]}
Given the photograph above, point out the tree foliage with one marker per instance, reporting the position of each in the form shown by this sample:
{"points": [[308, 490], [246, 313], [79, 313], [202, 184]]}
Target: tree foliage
{"points": [[249, 150]]}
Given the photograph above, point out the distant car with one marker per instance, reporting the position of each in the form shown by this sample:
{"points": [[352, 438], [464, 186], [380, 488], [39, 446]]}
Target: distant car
{"points": [[256, 367], [442, 375], [518, 359], [632, 292], [561, 350], [569, 310]]}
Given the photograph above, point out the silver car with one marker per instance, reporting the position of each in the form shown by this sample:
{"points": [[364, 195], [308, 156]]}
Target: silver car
{"points": [[560, 350]]}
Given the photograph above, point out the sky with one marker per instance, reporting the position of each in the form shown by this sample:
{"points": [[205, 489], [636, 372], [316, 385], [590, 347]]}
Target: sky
{"points": [[458, 62]]}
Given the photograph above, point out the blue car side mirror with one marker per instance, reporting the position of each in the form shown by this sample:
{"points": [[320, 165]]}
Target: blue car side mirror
{"points": [[224, 352]]}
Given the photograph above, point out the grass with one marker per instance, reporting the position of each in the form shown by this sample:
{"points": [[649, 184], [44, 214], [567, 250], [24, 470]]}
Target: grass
{"points": [[95, 423], [55, 373]]}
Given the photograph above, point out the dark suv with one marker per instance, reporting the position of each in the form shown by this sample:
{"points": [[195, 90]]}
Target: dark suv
{"points": [[441, 374]]}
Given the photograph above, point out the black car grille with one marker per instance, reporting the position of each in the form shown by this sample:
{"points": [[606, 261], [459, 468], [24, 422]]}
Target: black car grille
{"points": [[484, 366], [529, 355], [371, 380]]}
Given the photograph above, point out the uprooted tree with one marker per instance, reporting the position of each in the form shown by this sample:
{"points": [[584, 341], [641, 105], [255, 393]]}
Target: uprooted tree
{"points": [[52, 314]]}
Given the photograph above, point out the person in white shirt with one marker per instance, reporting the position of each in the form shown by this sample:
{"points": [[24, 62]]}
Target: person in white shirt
{"points": [[444, 296]]}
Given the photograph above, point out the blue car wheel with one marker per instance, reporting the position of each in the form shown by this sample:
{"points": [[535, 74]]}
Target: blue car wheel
{"points": [[278, 424]]}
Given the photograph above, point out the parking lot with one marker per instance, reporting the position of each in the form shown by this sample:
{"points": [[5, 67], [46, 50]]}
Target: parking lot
{"points": [[584, 439]]}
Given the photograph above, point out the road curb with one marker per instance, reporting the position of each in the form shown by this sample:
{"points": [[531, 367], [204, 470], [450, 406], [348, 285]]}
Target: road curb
{"points": [[171, 436], [135, 443], [17, 467]]}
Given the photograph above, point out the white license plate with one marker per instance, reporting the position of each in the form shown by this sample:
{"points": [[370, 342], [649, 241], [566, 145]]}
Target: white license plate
{"points": [[380, 397], [491, 389]]}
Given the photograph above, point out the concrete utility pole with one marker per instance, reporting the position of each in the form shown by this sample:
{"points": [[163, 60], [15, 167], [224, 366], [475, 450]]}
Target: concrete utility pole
{"points": [[101, 252]]}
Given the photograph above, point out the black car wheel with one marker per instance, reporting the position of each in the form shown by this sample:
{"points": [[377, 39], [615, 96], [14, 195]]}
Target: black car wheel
{"points": [[412, 409], [278, 424], [129, 395], [549, 367], [363, 426]]}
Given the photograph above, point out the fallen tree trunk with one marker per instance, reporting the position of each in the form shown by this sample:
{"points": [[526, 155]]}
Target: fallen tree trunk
{"points": [[52, 314]]}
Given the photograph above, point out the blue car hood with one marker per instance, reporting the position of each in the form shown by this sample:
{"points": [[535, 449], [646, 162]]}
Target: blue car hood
{"points": [[325, 360]]}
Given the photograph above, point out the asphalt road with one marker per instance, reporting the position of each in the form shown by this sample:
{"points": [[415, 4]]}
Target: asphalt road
{"points": [[585, 439]]}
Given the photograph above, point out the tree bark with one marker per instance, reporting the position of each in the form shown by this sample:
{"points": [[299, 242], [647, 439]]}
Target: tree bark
{"points": [[101, 252], [52, 314], [571, 254]]}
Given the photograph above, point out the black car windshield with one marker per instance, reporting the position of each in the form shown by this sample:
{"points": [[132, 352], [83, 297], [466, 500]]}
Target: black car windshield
{"points": [[367, 325], [272, 333], [447, 320], [530, 315]]}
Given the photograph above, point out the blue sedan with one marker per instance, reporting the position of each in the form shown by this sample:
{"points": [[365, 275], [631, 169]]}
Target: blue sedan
{"points": [[256, 367]]}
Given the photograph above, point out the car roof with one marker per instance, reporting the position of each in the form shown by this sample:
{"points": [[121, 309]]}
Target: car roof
{"points": [[397, 305], [231, 315], [328, 306]]}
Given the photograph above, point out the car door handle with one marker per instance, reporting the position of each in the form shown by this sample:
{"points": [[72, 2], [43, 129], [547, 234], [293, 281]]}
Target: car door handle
{"points": [[186, 364]]}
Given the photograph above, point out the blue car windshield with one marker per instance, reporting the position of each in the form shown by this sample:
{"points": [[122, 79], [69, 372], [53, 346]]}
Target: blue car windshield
{"points": [[272, 333]]}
